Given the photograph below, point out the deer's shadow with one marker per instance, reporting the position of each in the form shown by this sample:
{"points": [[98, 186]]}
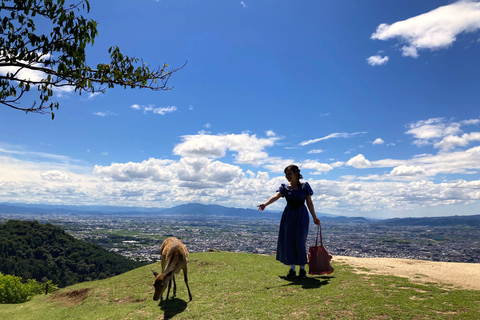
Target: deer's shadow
{"points": [[174, 307]]}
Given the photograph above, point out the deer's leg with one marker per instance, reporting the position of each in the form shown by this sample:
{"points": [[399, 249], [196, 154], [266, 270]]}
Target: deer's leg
{"points": [[174, 286], [168, 292], [186, 281]]}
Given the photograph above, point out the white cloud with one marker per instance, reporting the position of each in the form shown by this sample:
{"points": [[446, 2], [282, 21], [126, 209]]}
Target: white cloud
{"points": [[359, 162], [433, 30], [337, 164], [410, 51], [249, 149], [407, 171], [36, 76], [55, 175], [377, 60], [442, 134], [104, 114], [151, 108], [151, 169], [459, 162], [315, 151], [315, 165], [188, 171], [331, 136], [243, 5], [165, 110], [277, 165], [270, 133], [451, 142], [378, 141], [92, 95]]}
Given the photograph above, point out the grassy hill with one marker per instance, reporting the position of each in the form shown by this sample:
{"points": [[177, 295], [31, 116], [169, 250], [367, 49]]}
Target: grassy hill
{"points": [[248, 286]]}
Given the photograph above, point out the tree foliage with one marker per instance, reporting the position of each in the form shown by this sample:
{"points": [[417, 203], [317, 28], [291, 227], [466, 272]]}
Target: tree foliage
{"points": [[53, 56], [31, 250], [14, 290]]}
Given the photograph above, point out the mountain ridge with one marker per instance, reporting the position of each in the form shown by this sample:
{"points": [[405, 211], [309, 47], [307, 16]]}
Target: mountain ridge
{"points": [[197, 209]]}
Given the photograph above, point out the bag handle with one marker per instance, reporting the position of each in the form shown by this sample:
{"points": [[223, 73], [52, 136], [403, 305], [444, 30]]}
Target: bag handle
{"points": [[319, 231]]}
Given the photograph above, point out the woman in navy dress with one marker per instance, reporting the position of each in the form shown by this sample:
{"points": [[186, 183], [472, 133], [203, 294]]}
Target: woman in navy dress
{"points": [[292, 236]]}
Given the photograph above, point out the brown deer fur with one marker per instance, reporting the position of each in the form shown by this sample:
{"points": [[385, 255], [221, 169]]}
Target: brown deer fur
{"points": [[174, 258]]}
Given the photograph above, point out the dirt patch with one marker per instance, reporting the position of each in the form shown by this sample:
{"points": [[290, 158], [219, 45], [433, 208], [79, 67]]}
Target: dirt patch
{"points": [[70, 298], [456, 274], [129, 300]]}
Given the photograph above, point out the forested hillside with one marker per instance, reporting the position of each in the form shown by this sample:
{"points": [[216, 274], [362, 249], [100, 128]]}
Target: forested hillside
{"points": [[32, 250]]}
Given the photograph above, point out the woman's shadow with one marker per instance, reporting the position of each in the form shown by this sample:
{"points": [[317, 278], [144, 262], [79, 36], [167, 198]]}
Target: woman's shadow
{"points": [[174, 307], [308, 282]]}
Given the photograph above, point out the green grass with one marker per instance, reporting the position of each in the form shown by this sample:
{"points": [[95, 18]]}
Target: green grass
{"points": [[247, 286]]}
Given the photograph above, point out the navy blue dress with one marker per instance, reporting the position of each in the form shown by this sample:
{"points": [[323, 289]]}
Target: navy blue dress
{"points": [[292, 236]]}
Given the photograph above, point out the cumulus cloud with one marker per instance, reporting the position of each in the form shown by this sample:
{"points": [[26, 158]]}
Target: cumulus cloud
{"points": [[377, 60], [407, 171], [186, 172], [55, 175], [248, 149], [433, 30], [317, 166], [359, 162], [443, 134], [270, 133], [331, 136], [378, 141], [451, 142], [458, 162], [151, 169]]}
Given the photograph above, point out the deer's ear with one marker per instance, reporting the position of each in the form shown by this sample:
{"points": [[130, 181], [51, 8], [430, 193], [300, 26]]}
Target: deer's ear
{"points": [[155, 273], [169, 274]]}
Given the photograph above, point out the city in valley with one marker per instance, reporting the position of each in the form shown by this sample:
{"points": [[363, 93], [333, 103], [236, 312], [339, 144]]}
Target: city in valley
{"points": [[139, 236]]}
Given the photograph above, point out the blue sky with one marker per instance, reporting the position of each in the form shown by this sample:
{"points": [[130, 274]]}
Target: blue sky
{"points": [[376, 101]]}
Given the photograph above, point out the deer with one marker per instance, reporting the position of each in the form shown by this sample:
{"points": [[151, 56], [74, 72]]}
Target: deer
{"points": [[174, 258]]}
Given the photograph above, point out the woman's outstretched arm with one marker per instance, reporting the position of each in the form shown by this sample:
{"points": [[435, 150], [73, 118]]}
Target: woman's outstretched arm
{"points": [[271, 200]]}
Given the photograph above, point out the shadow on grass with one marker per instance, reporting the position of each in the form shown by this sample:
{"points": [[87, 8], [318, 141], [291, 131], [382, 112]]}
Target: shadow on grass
{"points": [[174, 307], [309, 282]]}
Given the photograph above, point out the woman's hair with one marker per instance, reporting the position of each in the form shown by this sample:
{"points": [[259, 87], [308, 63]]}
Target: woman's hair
{"points": [[295, 169]]}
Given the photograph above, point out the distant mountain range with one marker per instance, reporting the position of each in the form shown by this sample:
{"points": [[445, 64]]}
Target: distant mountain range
{"points": [[471, 221], [196, 209]]}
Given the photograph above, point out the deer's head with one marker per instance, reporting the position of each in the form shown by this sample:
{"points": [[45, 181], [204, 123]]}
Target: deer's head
{"points": [[160, 284]]}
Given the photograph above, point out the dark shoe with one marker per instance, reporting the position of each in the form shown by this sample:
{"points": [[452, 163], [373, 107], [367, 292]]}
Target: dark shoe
{"points": [[291, 274], [302, 274]]}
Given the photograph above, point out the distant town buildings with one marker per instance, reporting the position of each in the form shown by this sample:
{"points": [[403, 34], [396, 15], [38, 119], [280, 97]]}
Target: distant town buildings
{"points": [[140, 237]]}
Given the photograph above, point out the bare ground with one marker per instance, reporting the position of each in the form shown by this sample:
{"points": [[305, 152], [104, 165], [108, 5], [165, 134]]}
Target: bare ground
{"points": [[70, 298], [456, 274]]}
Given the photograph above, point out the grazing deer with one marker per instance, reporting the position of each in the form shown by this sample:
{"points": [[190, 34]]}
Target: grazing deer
{"points": [[174, 258]]}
